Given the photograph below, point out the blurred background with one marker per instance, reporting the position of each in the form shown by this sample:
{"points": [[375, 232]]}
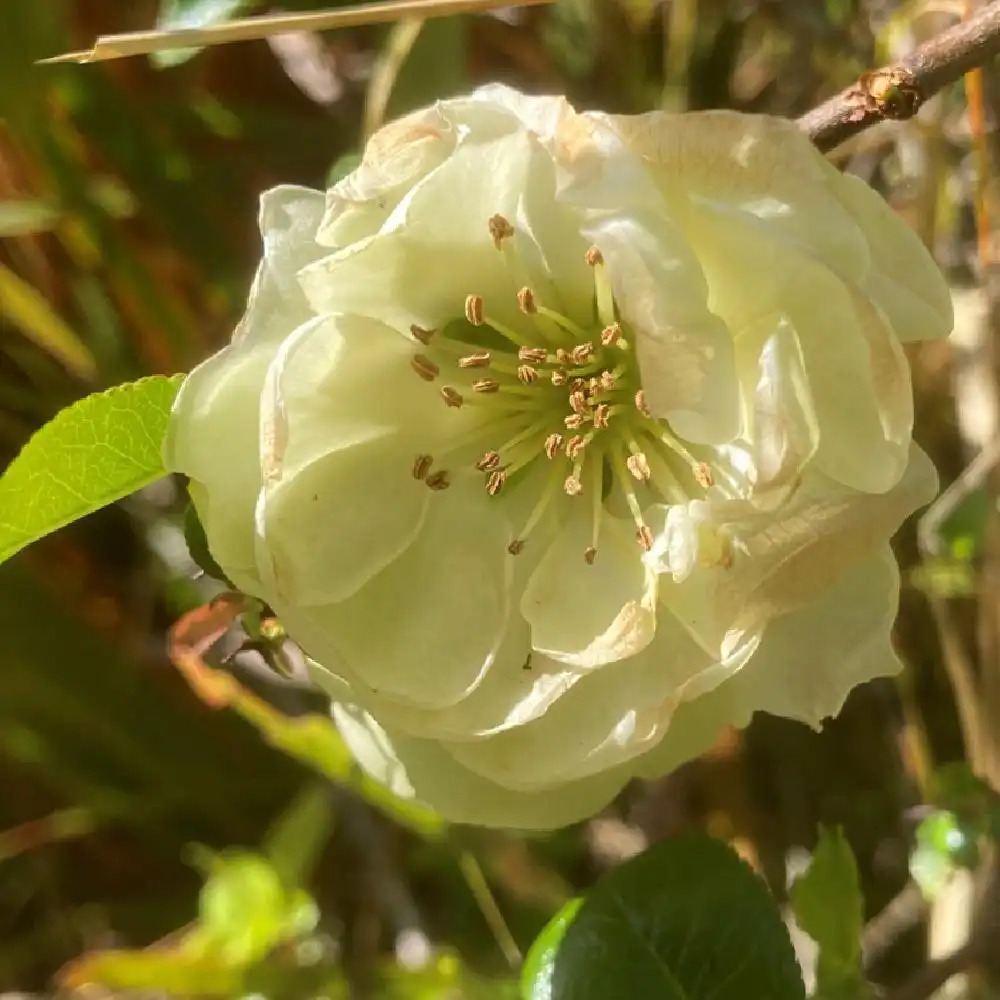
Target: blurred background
{"points": [[128, 196]]}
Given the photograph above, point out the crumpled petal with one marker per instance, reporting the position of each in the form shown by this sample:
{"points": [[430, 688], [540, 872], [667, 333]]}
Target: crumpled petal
{"points": [[220, 399], [424, 770], [608, 717], [806, 665]]}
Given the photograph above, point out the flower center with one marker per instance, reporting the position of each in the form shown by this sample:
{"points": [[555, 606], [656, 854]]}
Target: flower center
{"points": [[555, 392]]}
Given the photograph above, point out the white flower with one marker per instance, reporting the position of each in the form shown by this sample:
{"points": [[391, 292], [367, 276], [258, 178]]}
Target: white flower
{"points": [[561, 441]]}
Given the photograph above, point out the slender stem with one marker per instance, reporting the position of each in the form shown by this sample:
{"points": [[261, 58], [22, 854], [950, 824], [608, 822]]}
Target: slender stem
{"points": [[900, 89]]}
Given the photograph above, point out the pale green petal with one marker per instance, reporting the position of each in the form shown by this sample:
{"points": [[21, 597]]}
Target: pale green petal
{"points": [[685, 353], [436, 248], [781, 421], [782, 560], [518, 687], [426, 629], [340, 520], [761, 166], [904, 280], [757, 282], [422, 769], [212, 437], [807, 664], [587, 615], [608, 717]]}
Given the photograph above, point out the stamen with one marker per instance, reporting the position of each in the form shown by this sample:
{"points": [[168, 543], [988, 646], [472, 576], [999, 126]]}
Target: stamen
{"points": [[486, 385], [589, 555], [558, 377], [424, 336], [562, 356], [572, 486], [607, 380], [452, 396], [516, 547], [641, 405], [474, 309], [500, 230], [644, 536], [489, 461], [526, 301], [495, 481], [536, 355], [611, 335], [578, 403], [424, 367], [638, 466], [602, 287], [704, 476], [478, 360], [582, 353], [573, 422], [578, 385], [602, 415], [422, 465], [575, 446], [527, 374], [552, 445], [438, 480]]}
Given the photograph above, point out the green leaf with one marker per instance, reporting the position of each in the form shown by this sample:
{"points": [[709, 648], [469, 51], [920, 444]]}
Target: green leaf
{"points": [[829, 907], [90, 454], [539, 966], [944, 842], [686, 920], [296, 841], [178, 15]]}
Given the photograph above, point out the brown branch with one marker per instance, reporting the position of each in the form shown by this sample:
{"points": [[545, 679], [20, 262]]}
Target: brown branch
{"points": [[936, 973], [899, 90]]}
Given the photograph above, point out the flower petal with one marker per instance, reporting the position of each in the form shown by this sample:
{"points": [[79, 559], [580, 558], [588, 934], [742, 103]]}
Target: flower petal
{"points": [[605, 719], [685, 353], [220, 399], [904, 280], [758, 282], [585, 616], [807, 664], [422, 769], [426, 628]]}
